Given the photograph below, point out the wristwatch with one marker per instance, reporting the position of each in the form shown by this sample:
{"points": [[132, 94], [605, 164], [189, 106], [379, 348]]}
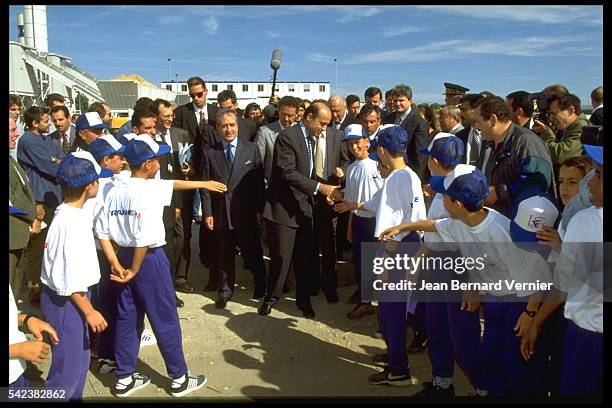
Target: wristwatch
{"points": [[530, 313], [28, 317]]}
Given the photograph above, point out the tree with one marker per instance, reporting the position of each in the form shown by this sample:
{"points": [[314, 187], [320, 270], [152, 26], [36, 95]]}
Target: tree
{"points": [[81, 103]]}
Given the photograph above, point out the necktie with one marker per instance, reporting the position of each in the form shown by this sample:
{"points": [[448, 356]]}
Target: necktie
{"points": [[318, 161], [202, 120], [309, 144], [398, 120], [475, 147], [65, 144], [230, 156]]}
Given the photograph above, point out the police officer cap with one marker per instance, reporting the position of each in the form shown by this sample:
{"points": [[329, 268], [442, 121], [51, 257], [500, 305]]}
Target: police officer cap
{"points": [[454, 89]]}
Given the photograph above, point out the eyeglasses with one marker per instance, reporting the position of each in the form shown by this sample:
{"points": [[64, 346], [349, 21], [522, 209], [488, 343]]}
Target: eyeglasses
{"points": [[199, 94], [554, 112], [166, 117]]}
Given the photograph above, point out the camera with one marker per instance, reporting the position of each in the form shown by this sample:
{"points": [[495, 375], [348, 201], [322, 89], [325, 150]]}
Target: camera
{"points": [[540, 107], [592, 135]]}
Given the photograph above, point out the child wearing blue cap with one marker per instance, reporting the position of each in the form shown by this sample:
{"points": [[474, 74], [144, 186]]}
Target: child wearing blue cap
{"points": [[69, 268], [453, 327], [399, 200], [108, 152], [579, 281], [484, 234], [132, 220], [363, 180]]}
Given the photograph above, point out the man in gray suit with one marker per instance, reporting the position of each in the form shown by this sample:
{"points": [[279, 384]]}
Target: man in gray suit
{"points": [[450, 120], [65, 133], [266, 136]]}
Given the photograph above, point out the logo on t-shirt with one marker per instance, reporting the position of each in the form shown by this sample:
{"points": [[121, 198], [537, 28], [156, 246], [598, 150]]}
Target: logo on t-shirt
{"points": [[131, 213]]}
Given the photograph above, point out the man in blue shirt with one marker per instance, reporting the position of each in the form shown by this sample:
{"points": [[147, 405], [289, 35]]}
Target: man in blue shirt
{"points": [[39, 156]]}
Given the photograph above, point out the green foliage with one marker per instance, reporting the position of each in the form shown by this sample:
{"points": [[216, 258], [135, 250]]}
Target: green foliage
{"points": [[81, 103]]}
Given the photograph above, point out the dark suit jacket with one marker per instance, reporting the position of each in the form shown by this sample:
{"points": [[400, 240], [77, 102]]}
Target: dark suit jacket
{"points": [[596, 117], [290, 194], [20, 195], [349, 120], [336, 155], [184, 118], [416, 128], [176, 135], [245, 186], [55, 136]]}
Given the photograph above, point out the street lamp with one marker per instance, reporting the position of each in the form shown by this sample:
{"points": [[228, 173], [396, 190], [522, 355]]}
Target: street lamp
{"points": [[170, 63], [336, 61]]}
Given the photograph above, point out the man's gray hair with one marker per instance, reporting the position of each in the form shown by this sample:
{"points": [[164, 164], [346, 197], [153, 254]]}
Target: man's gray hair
{"points": [[224, 111]]}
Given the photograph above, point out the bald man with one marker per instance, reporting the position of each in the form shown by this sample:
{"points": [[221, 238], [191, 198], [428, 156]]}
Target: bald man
{"points": [[340, 115]]}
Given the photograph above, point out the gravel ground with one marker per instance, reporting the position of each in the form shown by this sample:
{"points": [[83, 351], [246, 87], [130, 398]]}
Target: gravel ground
{"points": [[246, 356]]}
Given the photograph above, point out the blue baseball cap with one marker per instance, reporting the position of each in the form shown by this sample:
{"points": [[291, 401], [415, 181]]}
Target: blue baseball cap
{"points": [[90, 120], [465, 183], [354, 131], [125, 138], [80, 168], [374, 156], [445, 147], [595, 153], [529, 212], [142, 148], [393, 138], [105, 145]]}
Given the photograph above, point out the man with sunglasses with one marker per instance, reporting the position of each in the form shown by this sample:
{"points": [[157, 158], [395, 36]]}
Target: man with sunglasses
{"points": [[197, 118]]}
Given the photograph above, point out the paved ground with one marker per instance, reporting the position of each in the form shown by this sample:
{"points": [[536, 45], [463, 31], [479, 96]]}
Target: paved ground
{"points": [[247, 356]]}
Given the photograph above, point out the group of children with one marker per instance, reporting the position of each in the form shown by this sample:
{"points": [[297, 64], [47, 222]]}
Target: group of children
{"points": [[125, 215], [387, 205], [534, 246]]}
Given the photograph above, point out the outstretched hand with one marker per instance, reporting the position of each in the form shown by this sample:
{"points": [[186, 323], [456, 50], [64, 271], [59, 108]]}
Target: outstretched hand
{"points": [[215, 186]]}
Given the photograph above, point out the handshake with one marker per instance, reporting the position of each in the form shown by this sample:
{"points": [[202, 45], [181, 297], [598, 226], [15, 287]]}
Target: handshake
{"points": [[331, 193]]}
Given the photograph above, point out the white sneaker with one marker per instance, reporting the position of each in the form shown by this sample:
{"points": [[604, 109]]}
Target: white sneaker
{"points": [[138, 381], [188, 385], [147, 338]]}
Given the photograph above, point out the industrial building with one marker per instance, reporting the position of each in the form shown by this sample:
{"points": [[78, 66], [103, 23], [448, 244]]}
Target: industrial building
{"points": [[34, 72], [253, 91]]}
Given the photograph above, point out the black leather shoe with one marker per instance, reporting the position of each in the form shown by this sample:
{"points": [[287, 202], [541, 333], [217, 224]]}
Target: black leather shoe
{"points": [[308, 313], [418, 344], [258, 293], [265, 309], [179, 302], [221, 303], [184, 287]]}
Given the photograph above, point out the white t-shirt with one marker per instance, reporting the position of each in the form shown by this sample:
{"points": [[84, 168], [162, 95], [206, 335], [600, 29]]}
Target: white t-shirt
{"points": [[363, 180], [16, 365], [504, 261], [95, 205], [70, 263], [400, 201], [132, 214], [580, 269]]}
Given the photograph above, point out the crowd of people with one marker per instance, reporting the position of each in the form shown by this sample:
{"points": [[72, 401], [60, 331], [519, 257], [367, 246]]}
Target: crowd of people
{"points": [[101, 226]]}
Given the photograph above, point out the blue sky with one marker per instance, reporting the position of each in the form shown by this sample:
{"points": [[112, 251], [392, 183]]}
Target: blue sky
{"points": [[495, 48]]}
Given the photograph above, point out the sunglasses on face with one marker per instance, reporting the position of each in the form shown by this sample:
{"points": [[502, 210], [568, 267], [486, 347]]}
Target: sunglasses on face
{"points": [[194, 95]]}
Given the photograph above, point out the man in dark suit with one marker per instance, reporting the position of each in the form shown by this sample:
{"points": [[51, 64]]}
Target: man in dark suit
{"points": [[475, 146], [247, 129], [194, 118], [331, 159], [340, 114], [289, 208], [21, 196], [234, 216], [596, 117], [64, 133], [172, 168], [415, 126]]}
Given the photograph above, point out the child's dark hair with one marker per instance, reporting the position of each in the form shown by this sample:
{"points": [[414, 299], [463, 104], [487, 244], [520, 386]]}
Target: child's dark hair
{"points": [[471, 207], [72, 193], [582, 163]]}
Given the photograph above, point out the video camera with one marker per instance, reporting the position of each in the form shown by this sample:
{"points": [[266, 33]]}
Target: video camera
{"points": [[592, 135], [540, 107]]}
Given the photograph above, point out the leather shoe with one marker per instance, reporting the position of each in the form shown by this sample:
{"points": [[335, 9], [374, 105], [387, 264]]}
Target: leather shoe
{"points": [[258, 293], [286, 289], [179, 302], [184, 287], [332, 298], [210, 288], [221, 303], [308, 313], [265, 309]]}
